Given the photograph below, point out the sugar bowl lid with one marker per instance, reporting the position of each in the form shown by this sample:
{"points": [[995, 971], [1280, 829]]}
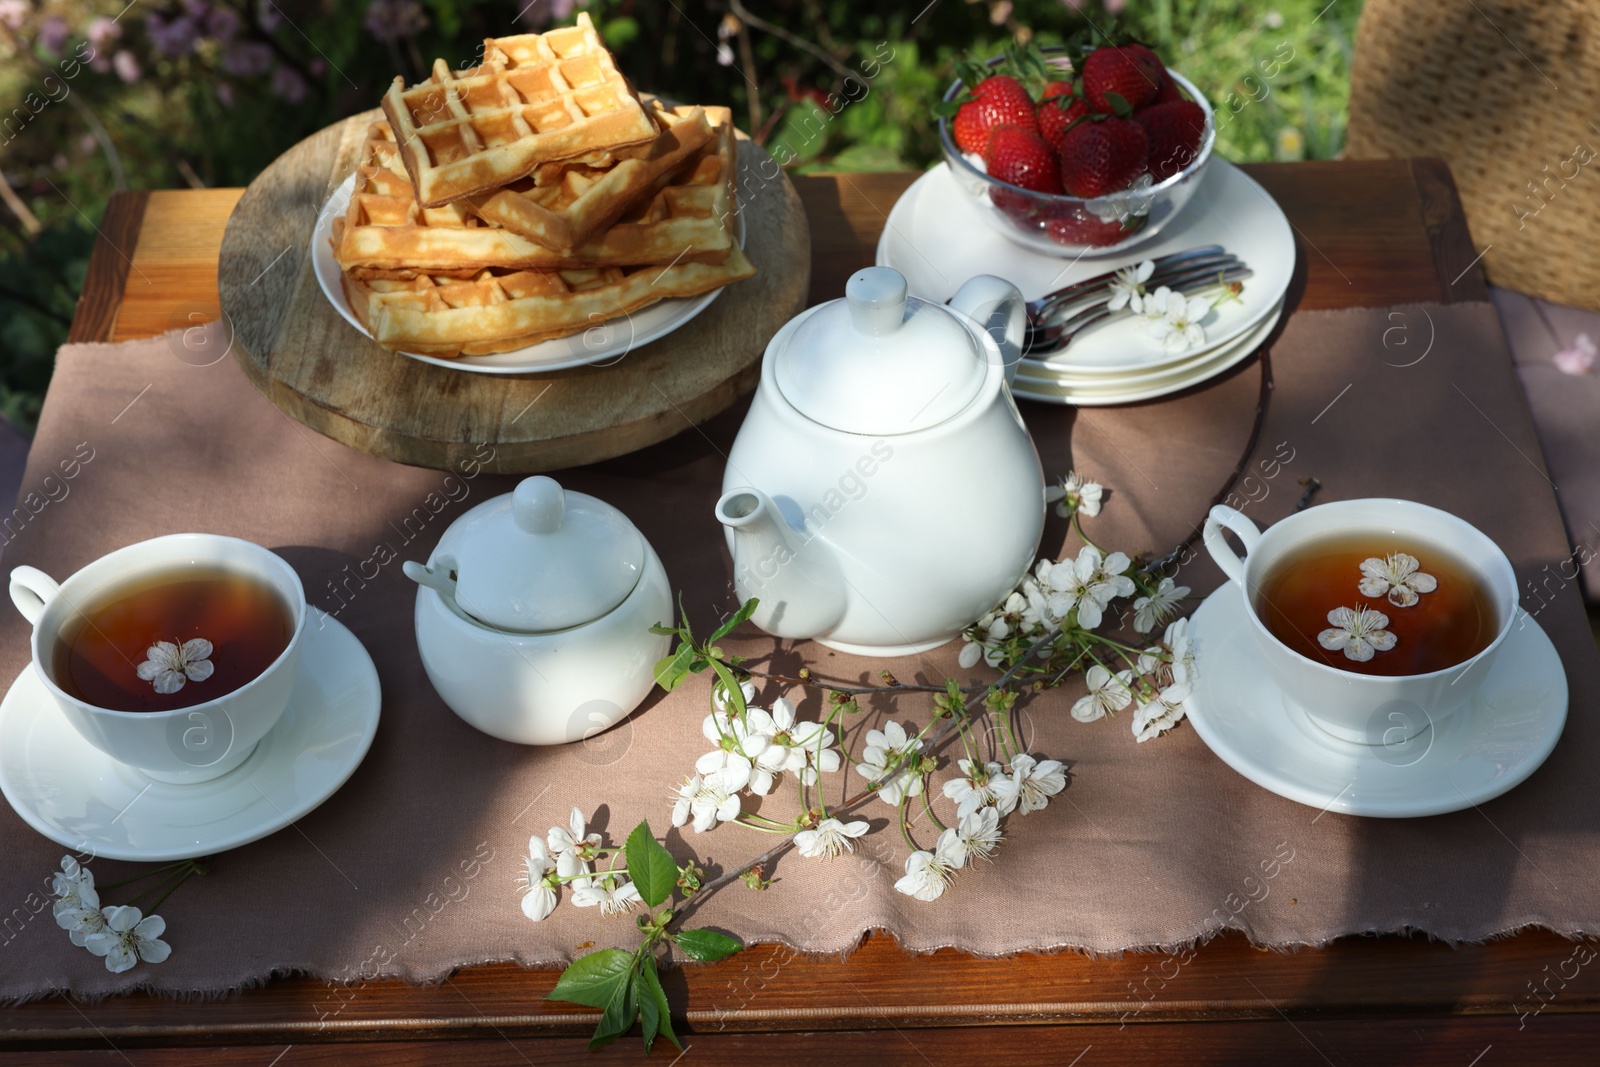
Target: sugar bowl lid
{"points": [[542, 559], [880, 361]]}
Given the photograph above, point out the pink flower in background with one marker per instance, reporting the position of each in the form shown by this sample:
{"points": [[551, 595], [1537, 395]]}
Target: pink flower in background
{"points": [[317, 67], [1072, 5], [540, 13], [126, 66], [224, 93], [247, 59], [268, 15], [289, 85], [172, 39], [1000, 12], [53, 34], [388, 20], [1115, 6], [102, 31], [1578, 357], [14, 12], [222, 24]]}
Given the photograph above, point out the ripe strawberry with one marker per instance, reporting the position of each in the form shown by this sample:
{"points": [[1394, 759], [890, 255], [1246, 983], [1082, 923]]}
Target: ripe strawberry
{"points": [[1103, 157], [1168, 92], [1147, 60], [1057, 112], [1021, 157], [1175, 131], [1081, 228], [999, 100], [1115, 70]]}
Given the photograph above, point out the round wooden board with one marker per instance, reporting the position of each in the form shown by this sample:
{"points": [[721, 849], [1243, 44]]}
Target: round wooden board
{"points": [[321, 371]]}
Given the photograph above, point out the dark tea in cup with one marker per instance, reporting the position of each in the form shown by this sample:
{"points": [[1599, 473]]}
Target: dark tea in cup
{"points": [[171, 638], [1377, 603]]}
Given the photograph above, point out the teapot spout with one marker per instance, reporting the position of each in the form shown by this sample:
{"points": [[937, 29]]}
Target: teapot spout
{"points": [[798, 583]]}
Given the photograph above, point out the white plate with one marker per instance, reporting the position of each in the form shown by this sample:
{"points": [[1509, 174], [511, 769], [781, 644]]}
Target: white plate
{"points": [[1038, 384], [611, 339], [79, 797], [938, 239], [1467, 758]]}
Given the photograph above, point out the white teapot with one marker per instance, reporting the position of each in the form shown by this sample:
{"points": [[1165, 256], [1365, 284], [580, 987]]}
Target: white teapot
{"points": [[883, 492], [533, 620]]}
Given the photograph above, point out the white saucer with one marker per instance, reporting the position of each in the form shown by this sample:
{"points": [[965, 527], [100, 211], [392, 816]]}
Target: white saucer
{"points": [[79, 797], [1035, 381], [611, 339], [936, 236], [1467, 758]]}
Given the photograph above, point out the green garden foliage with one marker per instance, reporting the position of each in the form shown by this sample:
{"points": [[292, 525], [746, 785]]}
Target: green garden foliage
{"points": [[99, 96]]}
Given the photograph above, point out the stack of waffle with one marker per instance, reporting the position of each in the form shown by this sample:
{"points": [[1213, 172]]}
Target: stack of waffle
{"points": [[532, 197]]}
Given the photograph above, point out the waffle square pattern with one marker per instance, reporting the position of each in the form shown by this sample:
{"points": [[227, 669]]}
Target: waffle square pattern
{"points": [[534, 99]]}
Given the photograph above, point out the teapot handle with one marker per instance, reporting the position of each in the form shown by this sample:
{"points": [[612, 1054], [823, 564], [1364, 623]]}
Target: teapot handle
{"points": [[996, 305]]}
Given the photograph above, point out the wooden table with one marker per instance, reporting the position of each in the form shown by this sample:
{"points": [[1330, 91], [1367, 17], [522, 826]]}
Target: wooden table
{"points": [[1372, 233]]}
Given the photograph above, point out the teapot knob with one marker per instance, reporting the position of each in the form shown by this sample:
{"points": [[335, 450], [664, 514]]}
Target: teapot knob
{"points": [[538, 505], [877, 300]]}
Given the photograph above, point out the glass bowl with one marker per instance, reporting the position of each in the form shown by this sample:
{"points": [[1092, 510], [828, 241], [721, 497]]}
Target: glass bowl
{"points": [[1060, 225]]}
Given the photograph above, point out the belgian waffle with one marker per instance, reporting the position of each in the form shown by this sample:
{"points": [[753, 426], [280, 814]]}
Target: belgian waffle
{"points": [[498, 311], [534, 98], [583, 200], [385, 233]]}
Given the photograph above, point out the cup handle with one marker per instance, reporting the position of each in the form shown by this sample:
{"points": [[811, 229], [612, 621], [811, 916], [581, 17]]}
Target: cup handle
{"points": [[1222, 518], [31, 590]]}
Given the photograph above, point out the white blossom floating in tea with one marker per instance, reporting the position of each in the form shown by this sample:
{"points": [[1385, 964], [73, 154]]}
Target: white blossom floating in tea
{"points": [[168, 666], [1399, 576], [1358, 632]]}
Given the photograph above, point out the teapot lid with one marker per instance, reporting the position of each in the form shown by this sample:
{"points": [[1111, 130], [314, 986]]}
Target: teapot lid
{"points": [[541, 559], [879, 361]]}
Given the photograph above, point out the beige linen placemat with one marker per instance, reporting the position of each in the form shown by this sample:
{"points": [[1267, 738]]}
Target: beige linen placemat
{"points": [[411, 868]]}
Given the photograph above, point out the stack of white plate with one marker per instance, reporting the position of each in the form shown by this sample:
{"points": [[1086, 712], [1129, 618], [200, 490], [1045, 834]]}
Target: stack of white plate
{"points": [[938, 238]]}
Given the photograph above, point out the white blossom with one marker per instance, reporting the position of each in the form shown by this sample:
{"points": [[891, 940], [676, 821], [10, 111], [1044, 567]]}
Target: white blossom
{"points": [[885, 747], [168, 666], [1076, 494], [1107, 693], [1127, 288], [1089, 583], [1177, 639], [979, 833], [1178, 328], [1161, 714], [74, 889], [1037, 781], [829, 838], [1399, 576], [611, 891], [573, 848], [129, 936], [981, 786], [928, 874], [739, 744], [1358, 631], [539, 888], [1149, 611], [708, 799]]}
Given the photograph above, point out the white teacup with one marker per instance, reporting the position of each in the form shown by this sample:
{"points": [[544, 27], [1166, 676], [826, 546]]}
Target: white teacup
{"points": [[1366, 709], [193, 744]]}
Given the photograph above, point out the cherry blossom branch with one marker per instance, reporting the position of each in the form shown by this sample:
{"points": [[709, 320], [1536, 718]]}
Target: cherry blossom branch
{"points": [[933, 744]]}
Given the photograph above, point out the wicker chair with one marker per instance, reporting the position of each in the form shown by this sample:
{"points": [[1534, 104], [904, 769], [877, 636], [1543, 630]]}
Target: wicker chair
{"points": [[1509, 93]]}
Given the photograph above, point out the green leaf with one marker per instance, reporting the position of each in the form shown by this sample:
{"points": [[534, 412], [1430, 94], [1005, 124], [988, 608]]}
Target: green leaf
{"points": [[594, 979], [670, 671], [707, 945], [620, 1012], [730, 686], [946, 109], [745, 611], [1118, 104], [653, 1003], [650, 865]]}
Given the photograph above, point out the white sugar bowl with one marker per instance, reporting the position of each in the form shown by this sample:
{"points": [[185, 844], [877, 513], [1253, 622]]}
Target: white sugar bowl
{"points": [[534, 613]]}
